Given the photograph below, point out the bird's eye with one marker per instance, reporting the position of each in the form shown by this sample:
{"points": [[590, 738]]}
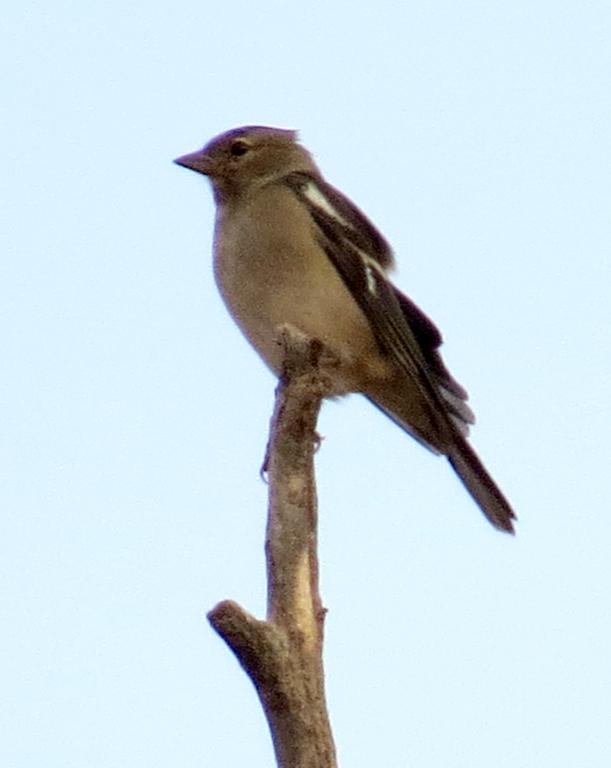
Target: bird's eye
{"points": [[239, 148]]}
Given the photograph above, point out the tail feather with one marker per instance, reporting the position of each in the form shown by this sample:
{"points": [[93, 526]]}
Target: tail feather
{"points": [[481, 486], [412, 414]]}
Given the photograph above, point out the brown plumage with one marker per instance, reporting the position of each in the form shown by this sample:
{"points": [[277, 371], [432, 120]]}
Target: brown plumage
{"points": [[291, 249]]}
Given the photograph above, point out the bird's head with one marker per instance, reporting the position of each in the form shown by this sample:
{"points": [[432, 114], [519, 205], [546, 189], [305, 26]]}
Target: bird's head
{"points": [[242, 159]]}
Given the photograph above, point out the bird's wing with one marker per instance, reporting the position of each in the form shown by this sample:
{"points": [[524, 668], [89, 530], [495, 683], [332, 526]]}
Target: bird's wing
{"points": [[360, 254]]}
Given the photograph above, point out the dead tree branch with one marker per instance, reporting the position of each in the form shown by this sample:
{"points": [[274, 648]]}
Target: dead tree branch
{"points": [[283, 654]]}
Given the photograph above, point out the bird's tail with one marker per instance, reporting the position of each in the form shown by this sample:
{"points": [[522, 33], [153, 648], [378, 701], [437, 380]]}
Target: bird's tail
{"points": [[412, 415], [480, 485]]}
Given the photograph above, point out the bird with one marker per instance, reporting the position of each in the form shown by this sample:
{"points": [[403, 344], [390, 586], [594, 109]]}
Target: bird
{"points": [[291, 249]]}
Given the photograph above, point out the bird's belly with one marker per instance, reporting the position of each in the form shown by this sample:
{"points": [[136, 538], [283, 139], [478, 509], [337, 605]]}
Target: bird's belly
{"points": [[302, 290]]}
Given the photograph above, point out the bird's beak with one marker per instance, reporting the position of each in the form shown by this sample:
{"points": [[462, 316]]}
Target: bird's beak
{"points": [[196, 161]]}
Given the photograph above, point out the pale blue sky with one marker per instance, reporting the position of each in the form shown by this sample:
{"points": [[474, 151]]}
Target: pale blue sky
{"points": [[134, 416]]}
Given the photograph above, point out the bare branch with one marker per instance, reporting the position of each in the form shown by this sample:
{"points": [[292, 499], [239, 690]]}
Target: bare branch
{"points": [[283, 655]]}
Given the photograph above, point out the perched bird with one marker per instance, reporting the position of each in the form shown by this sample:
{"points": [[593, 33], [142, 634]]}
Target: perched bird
{"points": [[291, 249]]}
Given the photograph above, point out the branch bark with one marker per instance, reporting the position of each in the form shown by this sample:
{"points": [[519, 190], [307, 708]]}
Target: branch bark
{"points": [[283, 654]]}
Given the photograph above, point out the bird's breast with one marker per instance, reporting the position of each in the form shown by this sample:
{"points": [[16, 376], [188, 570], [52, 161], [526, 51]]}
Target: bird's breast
{"points": [[271, 270]]}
